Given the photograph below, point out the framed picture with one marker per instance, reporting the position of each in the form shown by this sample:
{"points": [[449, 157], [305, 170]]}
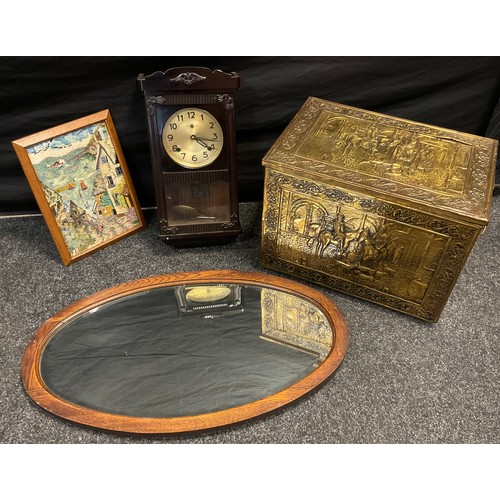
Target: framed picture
{"points": [[82, 185]]}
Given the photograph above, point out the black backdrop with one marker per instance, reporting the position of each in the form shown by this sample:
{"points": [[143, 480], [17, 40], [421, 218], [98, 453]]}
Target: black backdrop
{"points": [[36, 93]]}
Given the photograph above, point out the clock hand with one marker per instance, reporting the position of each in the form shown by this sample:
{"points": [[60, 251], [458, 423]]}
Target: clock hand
{"points": [[208, 140], [199, 141]]}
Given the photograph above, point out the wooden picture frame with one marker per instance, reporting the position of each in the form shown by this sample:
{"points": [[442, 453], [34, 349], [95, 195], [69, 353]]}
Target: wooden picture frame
{"points": [[81, 182]]}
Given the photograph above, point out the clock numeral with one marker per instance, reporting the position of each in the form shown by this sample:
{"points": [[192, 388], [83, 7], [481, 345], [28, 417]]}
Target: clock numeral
{"points": [[212, 124], [180, 118], [170, 137], [192, 114], [215, 137], [194, 158], [205, 154], [176, 148], [202, 117], [173, 126], [183, 155], [212, 147]]}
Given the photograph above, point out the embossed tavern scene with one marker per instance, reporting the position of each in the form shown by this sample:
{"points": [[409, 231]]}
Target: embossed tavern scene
{"points": [[375, 206]]}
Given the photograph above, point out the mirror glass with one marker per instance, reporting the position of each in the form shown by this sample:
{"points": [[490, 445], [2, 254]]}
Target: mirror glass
{"points": [[185, 350]]}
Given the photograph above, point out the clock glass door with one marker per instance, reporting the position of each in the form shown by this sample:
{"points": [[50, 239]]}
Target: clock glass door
{"points": [[198, 199]]}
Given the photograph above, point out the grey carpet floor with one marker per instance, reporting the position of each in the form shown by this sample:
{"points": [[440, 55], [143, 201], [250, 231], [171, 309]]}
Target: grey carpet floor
{"points": [[402, 381]]}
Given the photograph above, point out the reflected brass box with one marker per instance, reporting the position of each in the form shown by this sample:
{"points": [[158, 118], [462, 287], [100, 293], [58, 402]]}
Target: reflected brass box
{"points": [[374, 206]]}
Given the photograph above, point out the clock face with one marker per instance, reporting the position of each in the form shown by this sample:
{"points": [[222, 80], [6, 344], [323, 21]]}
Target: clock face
{"points": [[192, 138]]}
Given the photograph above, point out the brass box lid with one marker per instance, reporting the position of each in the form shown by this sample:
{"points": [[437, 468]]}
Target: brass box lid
{"points": [[441, 170]]}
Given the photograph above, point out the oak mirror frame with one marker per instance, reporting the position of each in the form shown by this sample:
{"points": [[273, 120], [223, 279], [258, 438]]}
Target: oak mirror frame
{"points": [[144, 344], [80, 180]]}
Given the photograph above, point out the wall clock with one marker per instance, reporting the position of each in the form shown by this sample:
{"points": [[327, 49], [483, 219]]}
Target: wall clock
{"points": [[192, 138]]}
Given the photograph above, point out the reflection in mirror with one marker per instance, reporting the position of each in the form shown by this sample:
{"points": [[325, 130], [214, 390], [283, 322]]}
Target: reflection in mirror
{"points": [[204, 298], [294, 322], [186, 350]]}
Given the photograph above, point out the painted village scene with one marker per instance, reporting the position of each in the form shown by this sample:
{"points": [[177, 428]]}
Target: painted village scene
{"points": [[84, 184]]}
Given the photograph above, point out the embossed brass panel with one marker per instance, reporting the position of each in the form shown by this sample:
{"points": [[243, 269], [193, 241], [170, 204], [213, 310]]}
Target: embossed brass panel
{"points": [[292, 321], [374, 206]]}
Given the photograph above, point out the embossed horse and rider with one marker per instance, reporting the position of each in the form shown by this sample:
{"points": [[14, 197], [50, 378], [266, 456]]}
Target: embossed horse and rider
{"points": [[354, 243]]}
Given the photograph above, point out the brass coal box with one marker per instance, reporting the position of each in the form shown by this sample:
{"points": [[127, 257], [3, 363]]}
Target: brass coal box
{"points": [[374, 206]]}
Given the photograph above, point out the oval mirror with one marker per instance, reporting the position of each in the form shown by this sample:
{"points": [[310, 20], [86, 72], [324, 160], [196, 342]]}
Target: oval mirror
{"points": [[184, 352]]}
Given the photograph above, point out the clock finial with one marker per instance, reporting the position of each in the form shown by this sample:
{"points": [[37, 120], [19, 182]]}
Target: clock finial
{"points": [[188, 78]]}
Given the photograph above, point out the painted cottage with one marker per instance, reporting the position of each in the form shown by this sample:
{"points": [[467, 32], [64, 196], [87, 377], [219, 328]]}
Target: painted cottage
{"points": [[109, 189], [54, 200]]}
